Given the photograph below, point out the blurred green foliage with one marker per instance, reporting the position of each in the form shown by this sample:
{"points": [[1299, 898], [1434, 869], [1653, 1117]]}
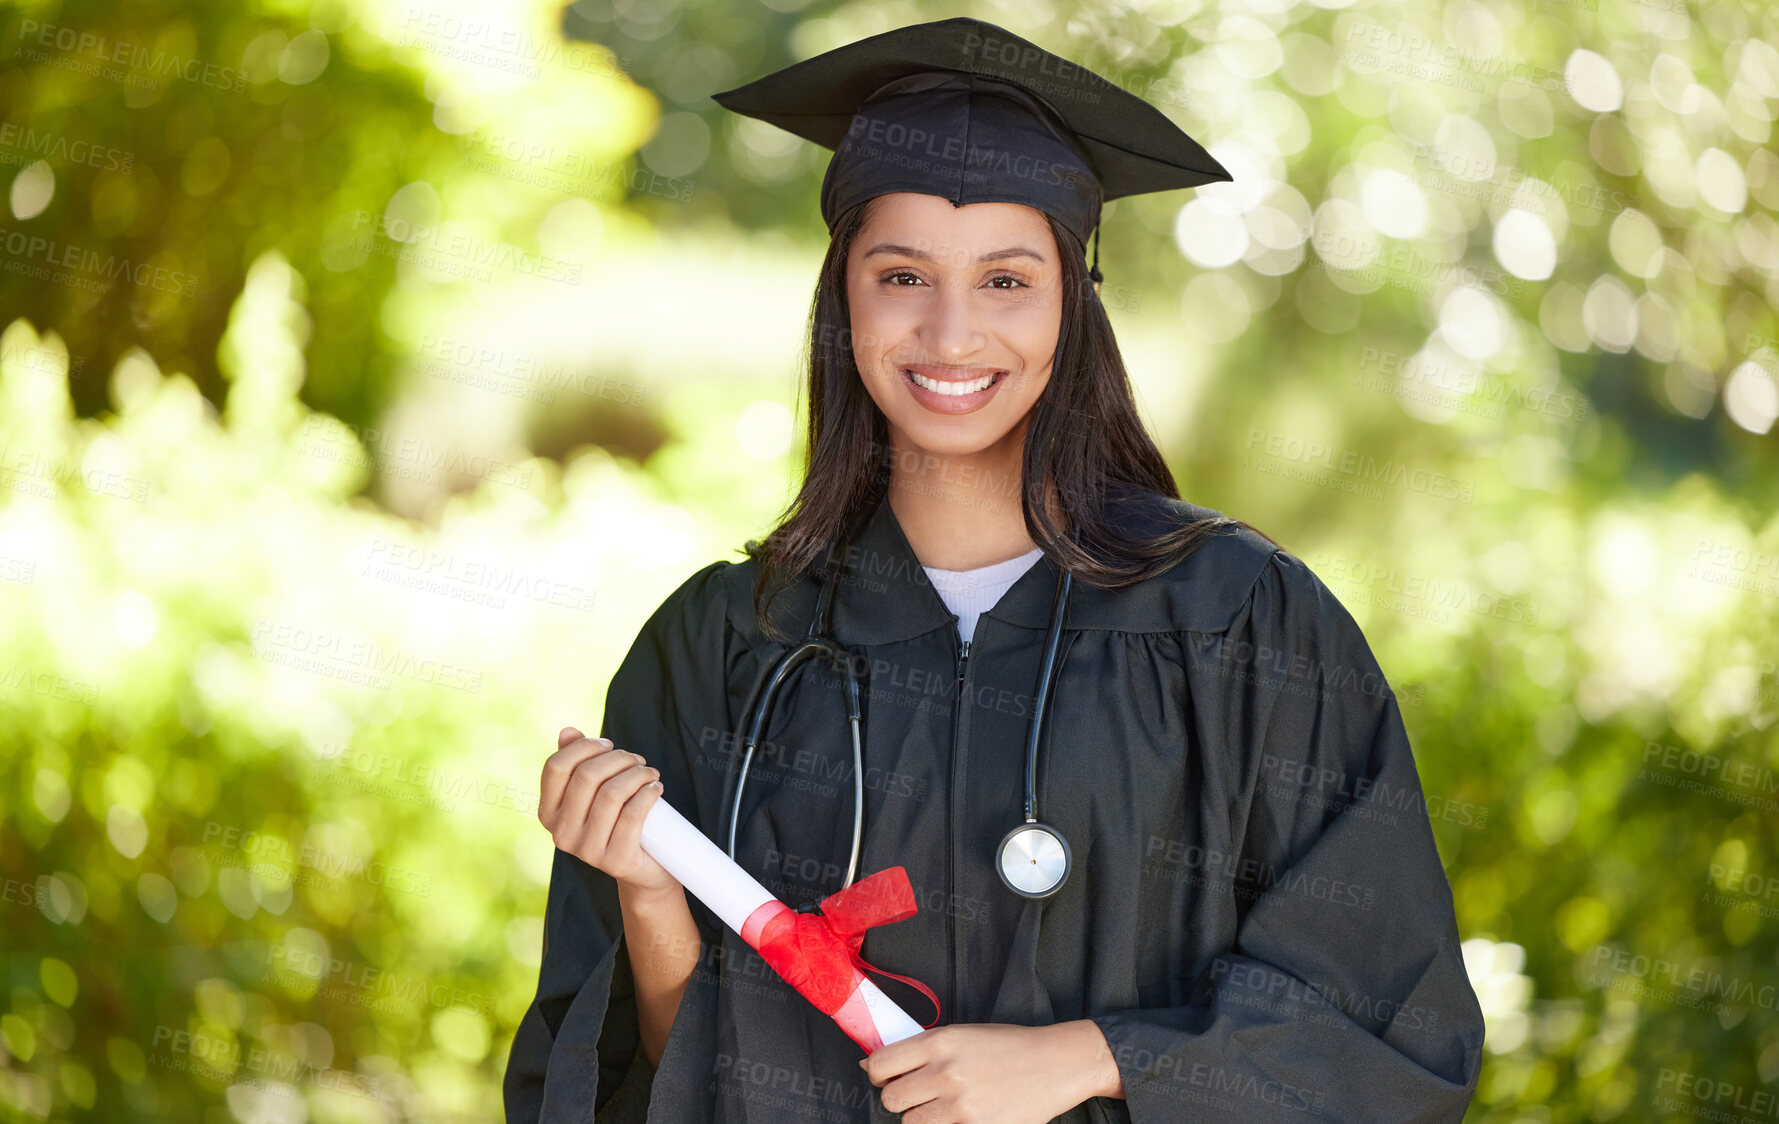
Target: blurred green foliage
{"points": [[490, 339]]}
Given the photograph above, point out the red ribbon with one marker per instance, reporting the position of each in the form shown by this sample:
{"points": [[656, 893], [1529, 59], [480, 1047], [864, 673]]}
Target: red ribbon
{"points": [[818, 953]]}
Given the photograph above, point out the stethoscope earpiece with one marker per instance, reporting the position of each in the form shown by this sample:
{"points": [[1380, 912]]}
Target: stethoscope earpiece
{"points": [[1033, 860]]}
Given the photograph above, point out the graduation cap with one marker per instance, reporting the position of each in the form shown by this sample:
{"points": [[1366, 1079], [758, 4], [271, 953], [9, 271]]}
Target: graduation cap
{"points": [[971, 112]]}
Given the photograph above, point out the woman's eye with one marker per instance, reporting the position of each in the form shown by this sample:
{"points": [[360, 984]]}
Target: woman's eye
{"points": [[892, 279]]}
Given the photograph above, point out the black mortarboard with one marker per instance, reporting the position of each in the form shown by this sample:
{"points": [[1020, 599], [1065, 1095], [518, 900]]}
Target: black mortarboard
{"points": [[971, 112]]}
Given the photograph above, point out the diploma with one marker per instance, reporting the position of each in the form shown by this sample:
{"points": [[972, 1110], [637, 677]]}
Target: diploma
{"points": [[811, 952]]}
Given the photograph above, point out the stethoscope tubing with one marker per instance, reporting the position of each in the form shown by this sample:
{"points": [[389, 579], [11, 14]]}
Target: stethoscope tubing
{"points": [[758, 708]]}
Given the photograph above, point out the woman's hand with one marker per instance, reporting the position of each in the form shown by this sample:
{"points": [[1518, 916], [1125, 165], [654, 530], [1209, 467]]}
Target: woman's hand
{"points": [[994, 1073], [593, 799]]}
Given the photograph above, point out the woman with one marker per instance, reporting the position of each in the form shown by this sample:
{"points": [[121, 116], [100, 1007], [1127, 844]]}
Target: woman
{"points": [[1252, 921]]}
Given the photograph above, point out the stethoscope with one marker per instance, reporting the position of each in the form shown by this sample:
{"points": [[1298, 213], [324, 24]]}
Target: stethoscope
{"points": [[1033, 859]]}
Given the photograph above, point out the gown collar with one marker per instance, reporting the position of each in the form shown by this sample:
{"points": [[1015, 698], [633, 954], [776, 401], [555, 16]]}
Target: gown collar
{"points": [[887, 597]]}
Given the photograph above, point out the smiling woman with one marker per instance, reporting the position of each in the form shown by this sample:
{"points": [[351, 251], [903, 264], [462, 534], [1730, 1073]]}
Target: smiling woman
{"points": [[951, 295], [1239, 926]]}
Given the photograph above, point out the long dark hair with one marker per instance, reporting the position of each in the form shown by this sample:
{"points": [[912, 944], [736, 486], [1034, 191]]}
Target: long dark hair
{"points": [[1083, 435]]}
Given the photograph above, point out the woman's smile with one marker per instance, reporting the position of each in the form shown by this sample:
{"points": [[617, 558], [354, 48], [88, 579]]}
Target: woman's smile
{"points": [[952, 390]]}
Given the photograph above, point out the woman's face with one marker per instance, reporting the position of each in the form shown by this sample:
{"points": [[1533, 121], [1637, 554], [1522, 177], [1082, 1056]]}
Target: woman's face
{"points": [[963, 299]]}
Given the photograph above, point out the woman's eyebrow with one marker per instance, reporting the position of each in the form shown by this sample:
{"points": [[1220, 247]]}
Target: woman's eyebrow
{"points": [[922, 255]]}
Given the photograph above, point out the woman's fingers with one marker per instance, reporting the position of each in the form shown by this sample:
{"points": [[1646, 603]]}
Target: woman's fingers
{"points": [[618, 784], [583, 784], [902, 1057], [626, 837], [910, 1090], [559, 767], [574, 774], [908, 1071]]}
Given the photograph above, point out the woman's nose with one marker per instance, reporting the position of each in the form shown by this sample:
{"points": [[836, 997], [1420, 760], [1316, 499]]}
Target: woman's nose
{"points": [[952, 326]]}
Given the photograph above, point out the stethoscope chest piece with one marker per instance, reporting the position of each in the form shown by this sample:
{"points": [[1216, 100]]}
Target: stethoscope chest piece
{"points": [[1033, 860]]}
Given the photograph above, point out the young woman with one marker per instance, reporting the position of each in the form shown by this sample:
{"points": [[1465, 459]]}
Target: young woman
{"points": [[1234, 909]]}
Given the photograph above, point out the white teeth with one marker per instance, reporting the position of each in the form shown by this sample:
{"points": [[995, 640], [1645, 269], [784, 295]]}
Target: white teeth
{"points": [[952, 388]]}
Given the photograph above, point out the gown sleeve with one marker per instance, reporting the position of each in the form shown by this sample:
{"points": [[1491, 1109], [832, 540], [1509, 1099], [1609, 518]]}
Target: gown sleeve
{"points": [[1343, 994], [580, 1039]]}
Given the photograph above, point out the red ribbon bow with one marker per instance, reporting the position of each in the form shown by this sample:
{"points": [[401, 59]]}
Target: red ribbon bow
{"points": [[818, 953]]}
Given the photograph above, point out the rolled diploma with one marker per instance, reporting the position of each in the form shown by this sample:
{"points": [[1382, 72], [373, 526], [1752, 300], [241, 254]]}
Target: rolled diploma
{"points": [[732, 894]]}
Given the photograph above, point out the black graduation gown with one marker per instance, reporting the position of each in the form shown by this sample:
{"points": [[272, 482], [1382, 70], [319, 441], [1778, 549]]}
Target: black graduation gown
{"points": [[1256, 916]]}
